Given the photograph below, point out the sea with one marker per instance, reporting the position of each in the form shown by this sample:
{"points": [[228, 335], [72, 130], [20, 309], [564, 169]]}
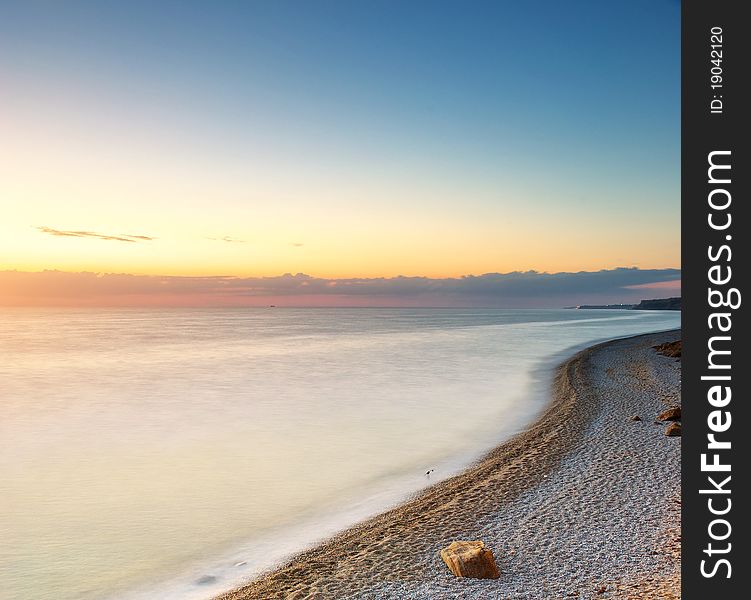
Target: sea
{"points": [[175, 453]]}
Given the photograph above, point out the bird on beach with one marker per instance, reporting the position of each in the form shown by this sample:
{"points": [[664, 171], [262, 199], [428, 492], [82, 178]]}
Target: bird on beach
{"points": [[429, 471]]}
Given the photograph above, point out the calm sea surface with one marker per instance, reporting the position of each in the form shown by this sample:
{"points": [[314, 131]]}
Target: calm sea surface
{"points": [[171, 453]]}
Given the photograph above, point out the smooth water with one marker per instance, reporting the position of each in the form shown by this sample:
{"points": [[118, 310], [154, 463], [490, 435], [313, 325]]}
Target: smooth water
{"points": [[170, 453]]}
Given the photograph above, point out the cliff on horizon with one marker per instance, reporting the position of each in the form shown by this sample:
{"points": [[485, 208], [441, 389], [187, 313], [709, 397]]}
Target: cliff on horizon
{"points": [[660, 304], [655, 304]]}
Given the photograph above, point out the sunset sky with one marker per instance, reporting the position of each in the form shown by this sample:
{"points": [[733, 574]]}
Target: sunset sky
{"points": [[339, 139]]}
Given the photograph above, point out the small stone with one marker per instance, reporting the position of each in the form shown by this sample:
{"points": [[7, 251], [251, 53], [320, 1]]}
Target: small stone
{"points": [[470, 559], [673, 430], [671, 414], [636, 418]]}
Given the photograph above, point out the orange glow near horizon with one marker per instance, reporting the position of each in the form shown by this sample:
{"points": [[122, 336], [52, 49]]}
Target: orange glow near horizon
{"points": [[232, 225], [336, 241]]}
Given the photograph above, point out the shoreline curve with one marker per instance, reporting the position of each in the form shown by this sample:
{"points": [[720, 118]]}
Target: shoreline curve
{"points": [[525, 486]]}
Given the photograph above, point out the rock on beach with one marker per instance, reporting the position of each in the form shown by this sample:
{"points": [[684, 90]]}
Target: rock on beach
{"points": [[470, 559], [671, 414]]}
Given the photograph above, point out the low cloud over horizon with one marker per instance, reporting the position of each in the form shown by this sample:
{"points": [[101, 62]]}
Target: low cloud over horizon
{"points": [[528, 289]]}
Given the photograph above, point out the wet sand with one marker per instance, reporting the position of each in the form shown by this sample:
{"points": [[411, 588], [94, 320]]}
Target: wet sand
{"points": [[584, 504]]}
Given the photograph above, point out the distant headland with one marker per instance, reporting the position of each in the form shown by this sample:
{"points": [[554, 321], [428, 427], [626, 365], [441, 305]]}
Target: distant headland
{"points": [[656, 304]]}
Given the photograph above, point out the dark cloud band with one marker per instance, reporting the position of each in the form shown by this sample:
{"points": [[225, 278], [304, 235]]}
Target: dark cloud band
{"points": [[516, 289]]}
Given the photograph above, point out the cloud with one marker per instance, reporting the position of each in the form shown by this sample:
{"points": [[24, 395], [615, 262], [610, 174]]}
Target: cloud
{"points": [[145, 238], [227, 238], [507, 290], [672, 285], [95, 235]]}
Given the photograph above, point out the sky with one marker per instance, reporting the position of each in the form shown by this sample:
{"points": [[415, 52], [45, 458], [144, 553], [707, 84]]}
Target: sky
{"points": [[340, 140]]}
